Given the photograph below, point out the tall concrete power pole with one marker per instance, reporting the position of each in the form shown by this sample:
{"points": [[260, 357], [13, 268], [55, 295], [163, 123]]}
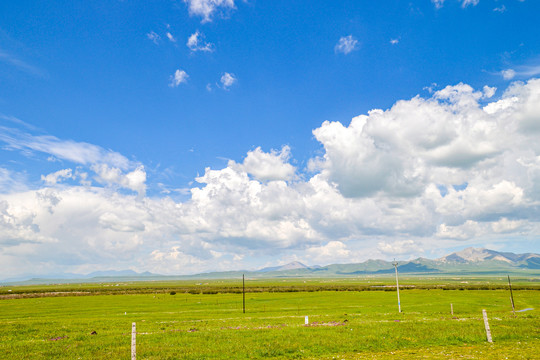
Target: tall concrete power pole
{"points": [[395, 263]]}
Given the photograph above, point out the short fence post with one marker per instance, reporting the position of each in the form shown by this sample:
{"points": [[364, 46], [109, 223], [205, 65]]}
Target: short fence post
{"points": [[306, 321], [452, 309], [486, 324], [133, 342]]}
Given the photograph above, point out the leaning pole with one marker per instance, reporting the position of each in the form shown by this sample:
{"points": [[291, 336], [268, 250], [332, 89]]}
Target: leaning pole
{"points": [[243, 293], [395, 263]]}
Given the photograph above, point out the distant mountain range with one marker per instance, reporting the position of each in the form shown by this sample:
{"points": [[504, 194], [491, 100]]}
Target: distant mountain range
{"points": [[290, 266], [470, 261], [476, 255]]}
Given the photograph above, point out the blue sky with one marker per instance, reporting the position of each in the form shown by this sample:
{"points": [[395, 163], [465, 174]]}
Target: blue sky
{"points": [[197, 135]]}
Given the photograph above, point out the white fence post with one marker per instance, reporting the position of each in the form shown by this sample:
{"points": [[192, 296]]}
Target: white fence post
{"points": [[133, 342], [306, 321], [452, 309], [486, 324]]}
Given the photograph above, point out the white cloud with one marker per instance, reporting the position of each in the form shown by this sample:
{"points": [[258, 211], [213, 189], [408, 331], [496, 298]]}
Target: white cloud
{"points": [[179, 77], [269, 166], [111, 168], [464, 3], [17, 227], [394, 41], [154, 37], [57, 176], [114, 221], [500, 105], [227, 80], [346, 44], [196, 43], [11, 181], [521, 72], [400, 150], [505, 225], [425, 174], [464, 231], [399, 248], [134, 180], [332, 252], [438, 3], [174, 261], [207, 8], [508, 74], [489, 92], [77, 152], [170, 37], [500, 9]]}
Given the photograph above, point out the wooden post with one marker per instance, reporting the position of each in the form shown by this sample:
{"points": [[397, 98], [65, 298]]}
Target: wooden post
{"points": [[486, 324], [511, 296], [452, 309], [244, 293], [133, 342]]}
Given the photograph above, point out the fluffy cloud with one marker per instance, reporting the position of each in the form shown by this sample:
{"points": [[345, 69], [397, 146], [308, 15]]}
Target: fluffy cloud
{"points": [[18, 227], [196, 42], [508, 74], [424, 174], [399, 151], [399, 247], [207, 8], [346, 44], [247, 212], [268, 166], [179, 77], [57, 176], [227, 80], [134, 180], [333, 252]]}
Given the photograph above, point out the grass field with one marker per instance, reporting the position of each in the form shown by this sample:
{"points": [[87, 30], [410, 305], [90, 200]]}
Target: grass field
{"points": [[343, 324]]}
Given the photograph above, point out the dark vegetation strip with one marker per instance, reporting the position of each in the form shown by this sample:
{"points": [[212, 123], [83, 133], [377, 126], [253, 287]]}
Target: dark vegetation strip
{"points": [[217, 289]]}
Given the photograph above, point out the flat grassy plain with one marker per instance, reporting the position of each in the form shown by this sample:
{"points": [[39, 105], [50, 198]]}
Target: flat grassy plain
{"points": [[204, 320]]}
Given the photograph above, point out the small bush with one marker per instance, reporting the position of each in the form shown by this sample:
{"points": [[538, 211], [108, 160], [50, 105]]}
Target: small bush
{"points": [[173, 293]]}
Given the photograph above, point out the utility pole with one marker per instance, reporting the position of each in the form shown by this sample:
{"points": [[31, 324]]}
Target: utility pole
{"points": [[395, 263], [243, 293], [511, 296]]}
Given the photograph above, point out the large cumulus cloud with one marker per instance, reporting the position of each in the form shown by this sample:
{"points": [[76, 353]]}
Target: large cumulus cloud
{"points": [[427, 173]]}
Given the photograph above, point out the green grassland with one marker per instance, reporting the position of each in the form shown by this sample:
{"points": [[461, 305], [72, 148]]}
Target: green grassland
{"points": [[204, 320], [212, 286]]}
